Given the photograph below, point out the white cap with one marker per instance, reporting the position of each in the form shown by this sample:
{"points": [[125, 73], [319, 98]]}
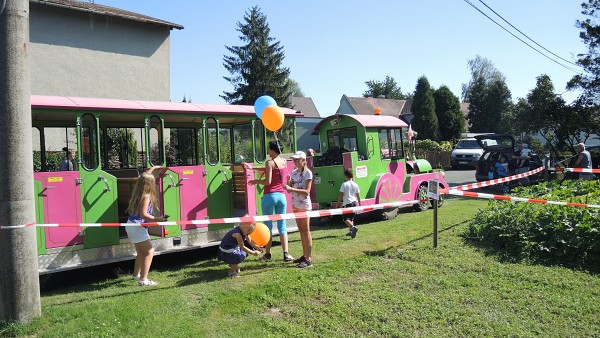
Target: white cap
{"points": [[299, 154]]}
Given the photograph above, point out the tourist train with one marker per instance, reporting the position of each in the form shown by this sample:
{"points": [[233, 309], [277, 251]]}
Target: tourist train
{"points": [[201, 147]]}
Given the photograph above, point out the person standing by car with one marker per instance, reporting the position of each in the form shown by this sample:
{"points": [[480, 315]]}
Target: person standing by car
{"points": [[584, 160], [522, 158]]}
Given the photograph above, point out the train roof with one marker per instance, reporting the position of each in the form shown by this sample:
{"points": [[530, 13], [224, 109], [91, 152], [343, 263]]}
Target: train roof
{"points": [[367, 121], [86, 103]]}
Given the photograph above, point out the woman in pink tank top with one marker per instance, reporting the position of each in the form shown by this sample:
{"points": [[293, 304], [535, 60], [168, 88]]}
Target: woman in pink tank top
{"points": [[274, 200]]}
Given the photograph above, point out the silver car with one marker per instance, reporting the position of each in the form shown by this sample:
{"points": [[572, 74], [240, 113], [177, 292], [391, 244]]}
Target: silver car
{"points": [[466, 153]]}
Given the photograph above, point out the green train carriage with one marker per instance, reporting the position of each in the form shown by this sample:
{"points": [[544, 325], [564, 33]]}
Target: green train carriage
{"points": [[114, 140]]}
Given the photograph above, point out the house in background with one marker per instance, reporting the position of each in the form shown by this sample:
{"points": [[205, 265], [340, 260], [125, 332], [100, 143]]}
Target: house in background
{"points": [[83, 49], [367, 105], [306, 124]]}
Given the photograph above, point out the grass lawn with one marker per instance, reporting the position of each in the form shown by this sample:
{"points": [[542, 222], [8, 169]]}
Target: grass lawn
{"points": [[388, 282]]}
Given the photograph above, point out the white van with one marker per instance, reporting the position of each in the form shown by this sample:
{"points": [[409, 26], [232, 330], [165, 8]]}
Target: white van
{"points": [[466, 153]]}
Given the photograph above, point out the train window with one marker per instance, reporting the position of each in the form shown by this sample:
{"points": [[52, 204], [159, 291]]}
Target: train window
{"points": [[225, 145], [344, 138], [397, 144], [384, 144], [58, 144], [89, 142], [259, 141], [36, 138], [181, 146], [390, 143], [212, 150], [156, 140], [242, 143], [286, 136], [122, 148]]}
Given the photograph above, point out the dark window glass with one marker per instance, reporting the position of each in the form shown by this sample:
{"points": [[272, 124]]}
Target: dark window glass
{"points": [[156, 140], [181, 146], [211, 141], [259, 141]]}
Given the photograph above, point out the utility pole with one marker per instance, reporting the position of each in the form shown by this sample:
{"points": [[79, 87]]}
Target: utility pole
{"points": [[19, 279]]}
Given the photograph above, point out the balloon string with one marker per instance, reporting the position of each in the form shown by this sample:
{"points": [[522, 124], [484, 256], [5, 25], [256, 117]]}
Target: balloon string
{"points": [[277, 141]]}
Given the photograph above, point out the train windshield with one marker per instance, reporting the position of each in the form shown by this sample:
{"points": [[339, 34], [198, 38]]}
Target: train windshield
{"points": [[344, 138]]}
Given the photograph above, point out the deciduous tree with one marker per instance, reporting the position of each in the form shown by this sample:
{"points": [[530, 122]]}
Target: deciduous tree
{"points": [[489, 98], [387, 88]]}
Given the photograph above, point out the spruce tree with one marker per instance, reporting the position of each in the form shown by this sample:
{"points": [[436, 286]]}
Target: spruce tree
{"points": [[256, 67], [424, 120]]}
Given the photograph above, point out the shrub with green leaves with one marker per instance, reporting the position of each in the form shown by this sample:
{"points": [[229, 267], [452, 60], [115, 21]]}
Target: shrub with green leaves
{"points": [[542, 233]]}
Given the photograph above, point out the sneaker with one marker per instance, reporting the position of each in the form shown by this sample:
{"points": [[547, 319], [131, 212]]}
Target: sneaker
{"points": [[299, 260], [266, 257], [349, 233], [287, 257], [136, 278], [234, 274], [305, 264], [147, 282], [353, 231]]}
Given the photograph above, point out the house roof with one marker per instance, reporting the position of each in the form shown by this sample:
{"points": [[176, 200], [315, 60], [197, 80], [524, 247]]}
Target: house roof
{"points": [[366, 106], [367, 121], [88, 7], [86, 103], [306, 106]]}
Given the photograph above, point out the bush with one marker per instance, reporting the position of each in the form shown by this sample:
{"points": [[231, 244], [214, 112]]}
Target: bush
{"points": [[548, 234]]}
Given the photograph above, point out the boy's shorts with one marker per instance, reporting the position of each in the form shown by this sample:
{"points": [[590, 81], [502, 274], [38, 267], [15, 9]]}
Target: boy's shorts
{"points": [[349, 217]]}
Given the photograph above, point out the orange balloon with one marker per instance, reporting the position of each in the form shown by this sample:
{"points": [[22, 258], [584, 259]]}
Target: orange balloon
{"points": [[261, 234], [272, 117]]}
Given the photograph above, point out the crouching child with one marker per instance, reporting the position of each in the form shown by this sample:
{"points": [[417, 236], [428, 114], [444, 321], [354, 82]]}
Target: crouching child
{"points": [[232, 250]]}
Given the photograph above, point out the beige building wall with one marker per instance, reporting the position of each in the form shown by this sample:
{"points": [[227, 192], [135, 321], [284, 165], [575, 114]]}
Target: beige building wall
{"points": [[82, 54]]}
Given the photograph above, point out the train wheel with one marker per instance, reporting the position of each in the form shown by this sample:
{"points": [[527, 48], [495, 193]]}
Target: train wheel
{"points": [[423, 203], [388, 190]]}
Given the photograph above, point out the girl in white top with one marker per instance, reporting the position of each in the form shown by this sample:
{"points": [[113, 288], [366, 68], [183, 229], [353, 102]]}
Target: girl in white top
{"points": [[299, 185]]}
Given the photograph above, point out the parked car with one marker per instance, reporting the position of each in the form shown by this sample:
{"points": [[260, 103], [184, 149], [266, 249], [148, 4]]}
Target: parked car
{"points": [[466, 153], [496, 145]]}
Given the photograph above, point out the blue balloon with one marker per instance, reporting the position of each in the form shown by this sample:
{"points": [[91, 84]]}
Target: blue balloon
{"points": [[261, 103]]}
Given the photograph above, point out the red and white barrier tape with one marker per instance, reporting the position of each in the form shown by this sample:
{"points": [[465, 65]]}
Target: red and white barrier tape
{"points": [[518, 199], [576, 170], [277, 217], [497, 181]]}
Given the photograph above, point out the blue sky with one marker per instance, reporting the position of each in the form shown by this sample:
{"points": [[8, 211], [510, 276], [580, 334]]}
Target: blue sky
{"points": [[333, 47]]}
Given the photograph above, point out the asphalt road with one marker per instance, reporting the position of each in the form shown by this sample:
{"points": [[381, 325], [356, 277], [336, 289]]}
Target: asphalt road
{"points": [[460, 177]]}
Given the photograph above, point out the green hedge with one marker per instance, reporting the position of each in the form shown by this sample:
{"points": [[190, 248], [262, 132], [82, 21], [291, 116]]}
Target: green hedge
{"points": [[548, 234]]}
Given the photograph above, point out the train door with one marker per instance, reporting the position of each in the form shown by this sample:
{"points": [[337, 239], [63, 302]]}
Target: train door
{"points": [[62, 204], [168, 186], [99, 193], [55, 167], [218, 169], [182, 159]]}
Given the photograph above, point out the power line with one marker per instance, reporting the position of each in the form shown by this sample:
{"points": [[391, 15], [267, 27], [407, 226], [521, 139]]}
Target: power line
{"points": [[500, 16], [511, 33]]}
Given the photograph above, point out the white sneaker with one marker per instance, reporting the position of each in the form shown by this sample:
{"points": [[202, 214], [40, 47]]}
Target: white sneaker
{"points": [[136, 278], [147, 282]]}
